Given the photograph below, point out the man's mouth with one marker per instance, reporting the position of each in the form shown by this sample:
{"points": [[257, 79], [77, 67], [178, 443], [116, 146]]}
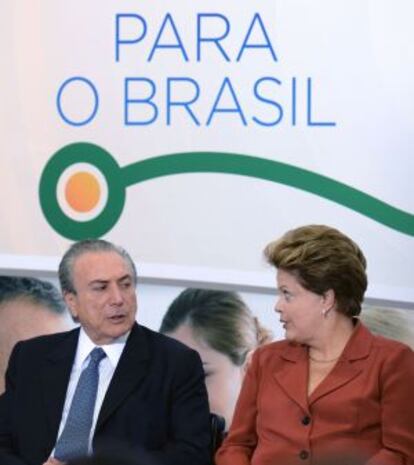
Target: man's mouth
{"points": [[117, 318]]}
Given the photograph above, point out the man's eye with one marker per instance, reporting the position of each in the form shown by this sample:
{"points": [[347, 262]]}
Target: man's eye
{"points": [[126, 284], [99, 288]]}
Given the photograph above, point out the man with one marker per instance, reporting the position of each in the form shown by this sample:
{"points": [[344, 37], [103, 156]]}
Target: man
{"points": [[29, 307], [135, 390]]}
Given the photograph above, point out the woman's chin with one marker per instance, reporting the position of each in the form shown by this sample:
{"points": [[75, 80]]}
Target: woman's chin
{"points": [[291, 336]]}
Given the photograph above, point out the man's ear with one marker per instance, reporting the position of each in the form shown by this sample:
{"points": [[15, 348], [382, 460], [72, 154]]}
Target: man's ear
{"points": [[71, 303]]}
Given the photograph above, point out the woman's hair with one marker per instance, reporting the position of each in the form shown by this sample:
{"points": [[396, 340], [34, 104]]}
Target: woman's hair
{"points": [[323, 258], [393, 323], [220, 318]]}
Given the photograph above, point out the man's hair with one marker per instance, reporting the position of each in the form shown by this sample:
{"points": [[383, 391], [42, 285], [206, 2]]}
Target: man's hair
{"points": [[323, 258], [79, 248], [34, 290]]}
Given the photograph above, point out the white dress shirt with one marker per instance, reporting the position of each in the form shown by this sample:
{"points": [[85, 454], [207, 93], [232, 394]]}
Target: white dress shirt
{"points": [[107, 368]]}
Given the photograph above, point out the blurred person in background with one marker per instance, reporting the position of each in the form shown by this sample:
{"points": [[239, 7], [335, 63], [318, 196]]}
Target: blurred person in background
{"points": [[223, 330], [29, 307], [394, 323]]}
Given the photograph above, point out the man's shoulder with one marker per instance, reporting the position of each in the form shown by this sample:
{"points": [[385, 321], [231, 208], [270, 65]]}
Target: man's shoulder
{"points": [[46, 342], [165, 342], [274, 354], [166, 347]]}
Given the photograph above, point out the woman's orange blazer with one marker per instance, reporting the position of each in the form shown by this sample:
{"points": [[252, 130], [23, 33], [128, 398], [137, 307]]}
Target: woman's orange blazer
{"points": [[361, 413]]}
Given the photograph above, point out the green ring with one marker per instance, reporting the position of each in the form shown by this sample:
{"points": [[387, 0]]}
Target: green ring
{"points": [[82, 152]]}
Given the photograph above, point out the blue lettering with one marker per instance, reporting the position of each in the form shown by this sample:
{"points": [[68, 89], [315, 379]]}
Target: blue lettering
{"points": [[59, 101], [168, 20], [273, 103], [118, 40], [147, 101], [309, 108], [183, 103], [267, 43], [236, 109], [215, 39], [293, 101]]}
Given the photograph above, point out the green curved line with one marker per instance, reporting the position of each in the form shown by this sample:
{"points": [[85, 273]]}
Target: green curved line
{"points": [[244, 165]]}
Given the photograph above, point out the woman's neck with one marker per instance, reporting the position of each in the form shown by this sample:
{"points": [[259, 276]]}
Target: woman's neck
{"points": [[332, 339]]}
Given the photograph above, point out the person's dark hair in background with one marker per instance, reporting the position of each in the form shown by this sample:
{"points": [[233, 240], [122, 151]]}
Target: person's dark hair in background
{"points": [[32, 289], [221, 327], [29, 307]]}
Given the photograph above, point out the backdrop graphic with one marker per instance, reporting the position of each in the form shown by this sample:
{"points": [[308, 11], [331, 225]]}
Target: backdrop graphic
{"points": [[193, 133]]}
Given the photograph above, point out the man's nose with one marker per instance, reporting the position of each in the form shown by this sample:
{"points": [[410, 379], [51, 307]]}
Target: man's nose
{"points": [[116, 295]]}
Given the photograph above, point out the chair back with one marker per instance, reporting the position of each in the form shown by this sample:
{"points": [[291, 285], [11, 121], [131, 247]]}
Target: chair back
{"points": [[217, 425]]}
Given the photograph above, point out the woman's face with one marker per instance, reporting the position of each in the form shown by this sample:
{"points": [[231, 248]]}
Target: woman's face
{"points": [[223, 378], [301, 311]]}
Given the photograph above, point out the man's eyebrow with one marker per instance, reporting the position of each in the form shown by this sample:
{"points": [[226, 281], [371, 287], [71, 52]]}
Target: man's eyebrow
{"points": [[125, 277], [98, 281]]}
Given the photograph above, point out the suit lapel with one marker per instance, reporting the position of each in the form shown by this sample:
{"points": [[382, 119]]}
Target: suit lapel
{"points": [[131, 369], [292, 377], [342, 373], [55, 377], [357, 348]]}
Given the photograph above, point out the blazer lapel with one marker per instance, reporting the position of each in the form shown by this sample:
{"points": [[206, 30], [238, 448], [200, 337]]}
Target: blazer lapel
{"points": [[357, 348], [292, 377], [131, 369], [55, 377], [342, 373]]}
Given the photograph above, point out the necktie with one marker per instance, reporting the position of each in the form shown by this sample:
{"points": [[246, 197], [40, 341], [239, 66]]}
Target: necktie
{"points": [[74, 440]]}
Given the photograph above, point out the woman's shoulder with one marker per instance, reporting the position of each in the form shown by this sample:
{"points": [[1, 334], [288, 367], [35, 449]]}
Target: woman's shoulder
{"points": [[390, 346], [275, 346], [277, 350]]}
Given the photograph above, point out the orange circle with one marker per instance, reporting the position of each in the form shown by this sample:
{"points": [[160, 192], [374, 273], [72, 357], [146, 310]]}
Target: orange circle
{"points": [[82, 191]]}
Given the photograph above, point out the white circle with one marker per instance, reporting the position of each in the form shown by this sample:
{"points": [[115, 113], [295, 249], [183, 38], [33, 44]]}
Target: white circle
{"points": [[61, 186]]}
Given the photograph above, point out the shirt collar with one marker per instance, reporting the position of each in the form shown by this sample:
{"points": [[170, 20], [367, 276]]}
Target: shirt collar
{"points": [[113, 350]]}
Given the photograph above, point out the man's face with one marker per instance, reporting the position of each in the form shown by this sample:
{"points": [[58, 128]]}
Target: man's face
{"points": [[105, 301]]}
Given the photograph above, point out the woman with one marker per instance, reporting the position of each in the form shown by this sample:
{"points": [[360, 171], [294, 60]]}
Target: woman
{"points": [[331, 392], [222, 329]]}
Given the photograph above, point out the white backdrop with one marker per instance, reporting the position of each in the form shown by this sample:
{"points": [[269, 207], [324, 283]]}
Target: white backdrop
{"points": [[319, 86]]}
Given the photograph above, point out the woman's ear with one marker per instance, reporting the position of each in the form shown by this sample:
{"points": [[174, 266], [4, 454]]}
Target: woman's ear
{"points": [[329, 301]]}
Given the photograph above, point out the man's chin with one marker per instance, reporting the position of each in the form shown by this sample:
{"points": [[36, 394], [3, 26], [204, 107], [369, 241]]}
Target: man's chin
{"points": [[118, 329]]}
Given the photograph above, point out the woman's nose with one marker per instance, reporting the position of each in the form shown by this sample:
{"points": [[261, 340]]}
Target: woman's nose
{"points": [[277, 306]]}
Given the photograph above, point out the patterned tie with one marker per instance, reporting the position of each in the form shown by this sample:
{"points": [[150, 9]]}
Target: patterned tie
{"points": [[74, 440]]}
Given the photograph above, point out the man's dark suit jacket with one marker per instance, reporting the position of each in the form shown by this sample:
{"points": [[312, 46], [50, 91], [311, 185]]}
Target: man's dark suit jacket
{"points": [[156, 402]]}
